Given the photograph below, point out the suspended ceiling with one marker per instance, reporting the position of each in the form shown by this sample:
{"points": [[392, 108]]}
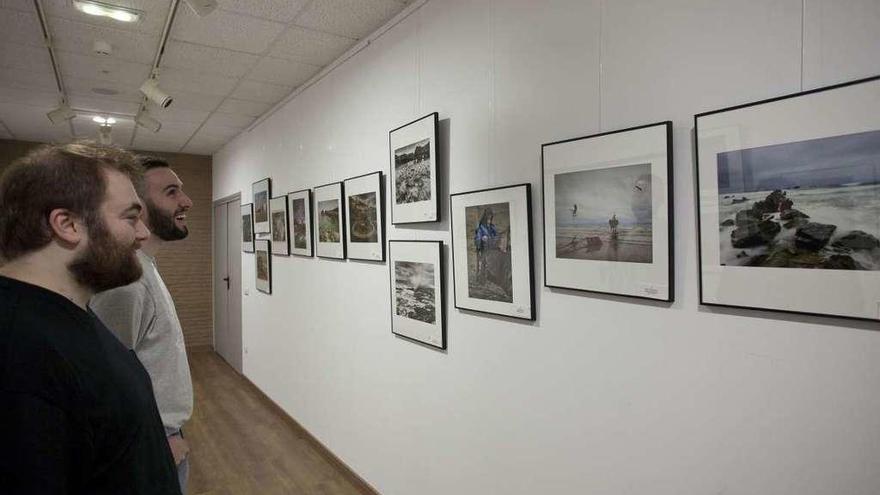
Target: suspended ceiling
{"points": [[224, 70]]}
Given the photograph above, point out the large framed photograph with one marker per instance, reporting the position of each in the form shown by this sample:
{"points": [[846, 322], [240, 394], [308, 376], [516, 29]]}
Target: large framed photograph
{"points": [[789, 202], [608, 213], [492, 251], [262, 191], [280, 239], [247, 228], [365, 226], [300, 222], [414, 185], [264, 266], [417, 291], [330, 221]]}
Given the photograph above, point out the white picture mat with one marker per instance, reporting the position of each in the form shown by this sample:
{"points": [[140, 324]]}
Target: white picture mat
{"points": [[521, 307], [279, 204], [263, 285], [262, 227], [647, 145], [421, 252], [420, 211], [353, 187], [248, 209], [329, 249], [836, 112], [306, 197]]}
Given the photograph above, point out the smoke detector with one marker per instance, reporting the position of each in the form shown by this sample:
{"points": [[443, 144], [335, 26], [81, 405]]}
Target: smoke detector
{"points": [[102, 48]]}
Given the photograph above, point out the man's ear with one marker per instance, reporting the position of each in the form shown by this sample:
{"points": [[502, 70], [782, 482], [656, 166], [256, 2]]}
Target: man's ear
{"points": [[67, 227]]}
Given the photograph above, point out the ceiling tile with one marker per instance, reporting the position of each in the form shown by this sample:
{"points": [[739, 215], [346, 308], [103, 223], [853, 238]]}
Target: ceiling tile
{"points": [[231, 120], [225, 30], [204, 146], [85, 87], [176, 114], [111, 71], [192, 100], [20, 5], [350, 18], [276, 10], [152, 18], [20, 27], [100, 104], [311, 47], [16, 56], [29, 123], [27, 80], [172, 80], [217, 132], [29, 96], [4, 134], [129, 46], [171, 132], [207, 59], [259, 91], [244, 107], [280, 71]]}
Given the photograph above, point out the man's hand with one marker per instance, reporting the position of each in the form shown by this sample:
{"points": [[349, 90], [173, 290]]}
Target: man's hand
{"points": [[179, 448]]}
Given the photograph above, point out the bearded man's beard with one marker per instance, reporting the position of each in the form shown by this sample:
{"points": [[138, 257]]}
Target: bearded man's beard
{"points": [[107, 263], [162, 224]]}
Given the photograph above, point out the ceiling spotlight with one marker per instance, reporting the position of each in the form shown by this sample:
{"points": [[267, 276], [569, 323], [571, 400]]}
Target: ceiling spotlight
{"points": [[122, 14], [144, 120], [202, 7], [150, 89], [103, 121], [105, 132], [61, 114]]}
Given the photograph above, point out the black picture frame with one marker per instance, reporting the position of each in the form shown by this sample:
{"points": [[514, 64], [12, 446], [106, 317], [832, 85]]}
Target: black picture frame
{"points": [[416, 252], [840, 117], [517, 199], [262, 246], [410, 134], [366, 250], [280, 247], [247, 228], [659, 281], [262, 192], [306, 196], [332, 190]]}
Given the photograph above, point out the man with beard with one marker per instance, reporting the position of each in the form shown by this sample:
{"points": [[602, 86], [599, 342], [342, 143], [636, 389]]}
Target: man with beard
{"points": [[77, 412], [143, 315]]}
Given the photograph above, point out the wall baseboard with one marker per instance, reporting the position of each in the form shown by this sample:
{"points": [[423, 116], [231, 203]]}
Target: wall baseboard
{"points": [[322, 449]]}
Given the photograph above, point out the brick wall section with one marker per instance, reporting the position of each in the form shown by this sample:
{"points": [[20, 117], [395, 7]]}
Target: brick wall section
{"points": [[185, 265]]}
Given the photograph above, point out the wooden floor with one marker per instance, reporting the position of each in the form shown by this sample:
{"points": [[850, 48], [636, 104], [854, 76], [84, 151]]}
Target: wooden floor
{"points": [[242, 445]]}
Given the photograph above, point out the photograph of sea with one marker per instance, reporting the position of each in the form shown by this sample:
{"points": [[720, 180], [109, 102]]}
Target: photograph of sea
{"points": [[812, 204], [605, 214], [414, 290]]}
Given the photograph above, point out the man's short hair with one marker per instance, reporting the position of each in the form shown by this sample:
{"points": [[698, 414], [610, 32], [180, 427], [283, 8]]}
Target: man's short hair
{"points": [[68, 176], [151, 162]]}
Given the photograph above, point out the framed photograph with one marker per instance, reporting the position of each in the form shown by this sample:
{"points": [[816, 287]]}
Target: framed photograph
{"points": [[330, 221], [280, 239], [365, 228], [417, 288], [608, 213], [264, 266], [492, 251], [262, 191], [300, 234], [247, 228], [414, 186], [789, 202]]}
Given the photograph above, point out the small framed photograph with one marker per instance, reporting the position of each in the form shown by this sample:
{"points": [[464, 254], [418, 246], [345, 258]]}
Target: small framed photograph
{"points": [[247, 228], [608, 213], [492, 251], [789, 203], [262, 191], [280, 240], [264, 266], [414, 185], [330, 221], [300, 235], [417, 291], [365, 226]]}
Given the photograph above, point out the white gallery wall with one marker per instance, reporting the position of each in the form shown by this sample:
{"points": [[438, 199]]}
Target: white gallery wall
{"points": [[602, 394]]}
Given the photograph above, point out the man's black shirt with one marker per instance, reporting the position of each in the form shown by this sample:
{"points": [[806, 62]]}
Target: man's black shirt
{"points": [[77, 413]]}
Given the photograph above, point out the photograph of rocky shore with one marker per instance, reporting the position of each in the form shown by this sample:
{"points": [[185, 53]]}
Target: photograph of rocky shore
{"points": [[811, 204]]}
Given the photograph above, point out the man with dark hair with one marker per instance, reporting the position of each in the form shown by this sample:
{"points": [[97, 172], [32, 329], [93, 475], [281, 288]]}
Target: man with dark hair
{"points": [[77, 413], [142, 314]]}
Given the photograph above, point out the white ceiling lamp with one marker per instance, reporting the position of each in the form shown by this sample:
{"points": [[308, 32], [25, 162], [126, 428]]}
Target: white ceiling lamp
{"points": [[101, 9], [147, 122], [105, 134], [104, 121], [150, 89], [61, 114], [202, 7]]}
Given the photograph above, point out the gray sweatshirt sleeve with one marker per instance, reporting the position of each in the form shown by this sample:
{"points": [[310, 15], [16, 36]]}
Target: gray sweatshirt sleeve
{"points": [[127, 311]]}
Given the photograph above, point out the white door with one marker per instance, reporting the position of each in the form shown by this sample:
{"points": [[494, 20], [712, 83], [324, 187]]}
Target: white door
{"points": [[227, 282]]}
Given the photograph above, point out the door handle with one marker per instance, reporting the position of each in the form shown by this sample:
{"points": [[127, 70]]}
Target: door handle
{"points": [[226, 279]]}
